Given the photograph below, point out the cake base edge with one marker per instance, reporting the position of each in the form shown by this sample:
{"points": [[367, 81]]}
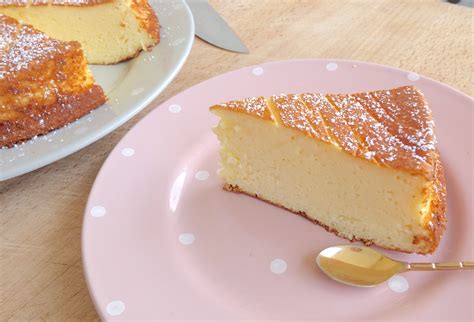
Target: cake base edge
{"points": [[366, 242]]}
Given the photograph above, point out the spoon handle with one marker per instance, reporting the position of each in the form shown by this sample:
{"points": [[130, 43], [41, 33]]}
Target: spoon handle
{"points": [[439, 266]]}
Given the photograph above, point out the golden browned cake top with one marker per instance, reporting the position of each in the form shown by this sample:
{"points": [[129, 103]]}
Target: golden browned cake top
{"points": [[390, 127], [256, 106], [23, 3], [21, 46], [334, 127], [147, 18], [44, 83]]}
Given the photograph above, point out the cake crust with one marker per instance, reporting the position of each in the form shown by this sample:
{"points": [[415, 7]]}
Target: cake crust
{"points": [[255, 106], [44, 83], [436, 223], [147, 19]]}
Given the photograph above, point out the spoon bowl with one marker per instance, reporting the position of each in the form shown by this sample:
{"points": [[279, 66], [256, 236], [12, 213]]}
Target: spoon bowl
{"points": [[358, 265], [364, 266]]}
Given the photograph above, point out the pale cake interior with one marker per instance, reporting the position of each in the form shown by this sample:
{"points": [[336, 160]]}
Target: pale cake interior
{"points": [[95, 27], [352, 196]]}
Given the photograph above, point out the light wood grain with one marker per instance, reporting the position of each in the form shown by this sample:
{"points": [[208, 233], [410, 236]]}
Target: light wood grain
{"points": [[41, 273]]}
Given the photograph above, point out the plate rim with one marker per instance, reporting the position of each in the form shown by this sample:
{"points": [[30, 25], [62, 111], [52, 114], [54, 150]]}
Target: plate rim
{"points": [[44, 160], [98, 308]]}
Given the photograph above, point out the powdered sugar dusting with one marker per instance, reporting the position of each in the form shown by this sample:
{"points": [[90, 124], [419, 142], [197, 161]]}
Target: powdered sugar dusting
{"points": [[293, 113], [336, 127], [22, 47], [408, 116], [395, 126], [28, 57], [254, 106]]}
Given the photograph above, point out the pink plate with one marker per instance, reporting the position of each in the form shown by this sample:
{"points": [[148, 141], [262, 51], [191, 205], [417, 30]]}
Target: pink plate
{"points": [[162, 240]]}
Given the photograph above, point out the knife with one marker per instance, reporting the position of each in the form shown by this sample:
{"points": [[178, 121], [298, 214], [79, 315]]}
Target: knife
{"points": [[210, 27], [466, 3]]}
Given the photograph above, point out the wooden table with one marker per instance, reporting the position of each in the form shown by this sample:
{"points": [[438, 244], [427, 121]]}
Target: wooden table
{"points": [[41, 212]]}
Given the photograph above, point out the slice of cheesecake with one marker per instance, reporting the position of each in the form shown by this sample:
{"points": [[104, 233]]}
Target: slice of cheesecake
{"points": [[109, 31], [364, 166], [44, 83]]}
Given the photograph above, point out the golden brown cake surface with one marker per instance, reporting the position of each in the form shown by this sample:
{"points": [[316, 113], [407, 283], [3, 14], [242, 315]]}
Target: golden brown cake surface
{"points": [[256, 106], [390, 128], [44, 83], [146, 18]]}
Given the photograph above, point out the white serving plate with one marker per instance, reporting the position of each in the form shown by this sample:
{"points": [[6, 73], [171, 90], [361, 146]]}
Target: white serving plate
{"points": [[130, 86]]}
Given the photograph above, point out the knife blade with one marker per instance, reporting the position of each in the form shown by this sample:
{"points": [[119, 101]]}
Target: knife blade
{"points": [[466, 3], [210, 27]]}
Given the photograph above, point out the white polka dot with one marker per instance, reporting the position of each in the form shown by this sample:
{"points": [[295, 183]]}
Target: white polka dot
{"points": [[331, 67], [202, 175], [174, 108], [98, 211], [398, 284], [137, 91], [278, 266], [186, 239], [413, 77], [115, 308], [128, 152], [257, 71]]}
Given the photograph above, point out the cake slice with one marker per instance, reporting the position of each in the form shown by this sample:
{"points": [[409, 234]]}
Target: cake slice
{"points": [[44, 83], [109, 31], [364, 166]]}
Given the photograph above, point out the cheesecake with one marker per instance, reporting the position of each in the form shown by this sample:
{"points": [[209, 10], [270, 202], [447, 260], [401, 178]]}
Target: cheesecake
{"points": [[364, 166], [44, 83], [109, 31]]}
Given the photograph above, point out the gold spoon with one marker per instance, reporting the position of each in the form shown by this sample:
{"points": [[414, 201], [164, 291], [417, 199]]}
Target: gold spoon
{"points": [[363, 266]]}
